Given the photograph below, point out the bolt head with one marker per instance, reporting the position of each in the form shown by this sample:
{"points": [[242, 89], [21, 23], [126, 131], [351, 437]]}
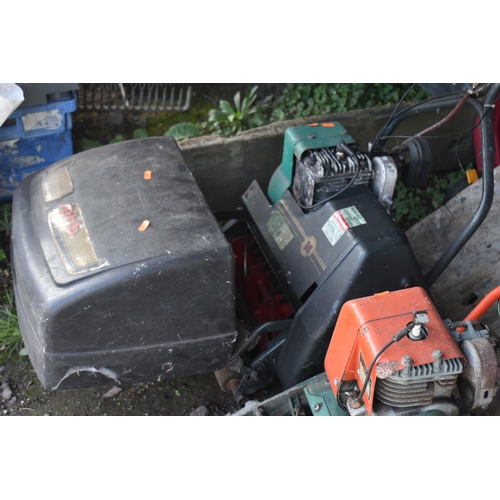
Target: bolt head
{"points": [[406, 360], [437, 354]]}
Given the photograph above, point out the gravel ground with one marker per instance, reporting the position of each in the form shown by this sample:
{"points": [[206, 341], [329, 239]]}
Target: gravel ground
{"points": [[22, 394]]}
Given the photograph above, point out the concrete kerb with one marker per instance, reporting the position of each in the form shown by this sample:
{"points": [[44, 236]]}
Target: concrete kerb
{"points": [[224, 167]]}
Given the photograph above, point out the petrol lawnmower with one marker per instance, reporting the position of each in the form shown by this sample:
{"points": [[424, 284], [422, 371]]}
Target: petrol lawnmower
{"points": [[122, 274]]}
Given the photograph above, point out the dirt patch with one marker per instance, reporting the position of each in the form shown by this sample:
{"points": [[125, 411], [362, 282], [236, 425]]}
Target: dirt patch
{"points": [[22, 394]]}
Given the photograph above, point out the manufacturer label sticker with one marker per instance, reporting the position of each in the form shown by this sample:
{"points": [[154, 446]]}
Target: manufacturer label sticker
{"points": [[340, 221], [280, 230], [72, 239]]}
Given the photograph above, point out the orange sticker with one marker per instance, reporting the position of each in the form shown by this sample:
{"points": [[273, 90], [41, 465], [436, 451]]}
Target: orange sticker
{"points": [[144, 226], [328, 124], [312, 124], [147, 175], [471, 176]]}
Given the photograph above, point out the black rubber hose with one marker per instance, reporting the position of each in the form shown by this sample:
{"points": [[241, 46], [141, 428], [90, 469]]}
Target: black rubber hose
{"points": [[488, 156], [441, 103], [400, 335]]}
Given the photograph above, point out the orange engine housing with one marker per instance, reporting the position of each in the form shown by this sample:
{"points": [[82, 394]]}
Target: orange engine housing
{"points": [[365, 325]]}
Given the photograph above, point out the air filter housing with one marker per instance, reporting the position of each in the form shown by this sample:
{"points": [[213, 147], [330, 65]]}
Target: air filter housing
{"points": [[100, 300], [410, 374]]}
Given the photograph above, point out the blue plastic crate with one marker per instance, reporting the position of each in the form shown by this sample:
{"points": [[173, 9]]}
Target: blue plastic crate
{"points": [[33, 138]]}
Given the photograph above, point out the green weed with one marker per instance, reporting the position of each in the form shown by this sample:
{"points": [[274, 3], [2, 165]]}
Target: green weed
{"points": [[413, 204], [309, 99], [86, 144], [184, 131], [5, 217], [10, 335], [230, 120]]}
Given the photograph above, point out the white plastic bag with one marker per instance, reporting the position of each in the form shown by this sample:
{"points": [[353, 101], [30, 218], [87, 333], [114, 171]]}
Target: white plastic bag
{"points": [[11, 96]]}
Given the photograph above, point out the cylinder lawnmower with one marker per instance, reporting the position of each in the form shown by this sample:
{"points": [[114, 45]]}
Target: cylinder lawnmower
{"points": [[122, 273]]}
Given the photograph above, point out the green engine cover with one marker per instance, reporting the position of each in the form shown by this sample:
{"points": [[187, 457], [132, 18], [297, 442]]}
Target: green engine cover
{"points": [[297, 141]]}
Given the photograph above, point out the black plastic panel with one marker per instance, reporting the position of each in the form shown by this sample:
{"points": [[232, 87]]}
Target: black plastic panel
{"points": [[348, 248], [99, 299]]}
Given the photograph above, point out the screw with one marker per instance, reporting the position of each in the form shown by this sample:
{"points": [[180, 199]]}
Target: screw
{"points": [[407, 362], [311, 136], [317, 406], [438, 356]]}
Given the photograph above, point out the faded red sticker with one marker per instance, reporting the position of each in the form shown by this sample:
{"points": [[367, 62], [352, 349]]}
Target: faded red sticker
{"points": [[72, 240]]}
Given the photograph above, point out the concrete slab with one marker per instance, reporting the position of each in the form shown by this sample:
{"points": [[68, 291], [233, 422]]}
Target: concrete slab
{"points": [[475, 270]]}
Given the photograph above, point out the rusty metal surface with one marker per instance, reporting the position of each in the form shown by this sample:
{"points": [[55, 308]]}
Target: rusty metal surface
{"points": [[477, 382], [387, 368]]}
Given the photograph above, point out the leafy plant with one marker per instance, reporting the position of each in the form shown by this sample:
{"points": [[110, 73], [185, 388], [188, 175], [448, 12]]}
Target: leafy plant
{"points": [[308, 99], [413, 204], [183, 131], [10, 334], [139, 133], [229, 120], [117, 138], [86, 144]]}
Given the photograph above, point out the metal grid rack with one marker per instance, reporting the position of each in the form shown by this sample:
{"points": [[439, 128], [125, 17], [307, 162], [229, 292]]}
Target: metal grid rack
{"points": [[134, 97]]}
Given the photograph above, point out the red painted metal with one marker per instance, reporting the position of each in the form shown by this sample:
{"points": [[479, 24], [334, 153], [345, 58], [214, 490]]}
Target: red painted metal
{"points": [[255, 283], [366, 325]]}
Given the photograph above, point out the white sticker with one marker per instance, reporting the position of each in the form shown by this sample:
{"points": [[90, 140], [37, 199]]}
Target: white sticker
{"points": [[49, 120], [340, 221]]}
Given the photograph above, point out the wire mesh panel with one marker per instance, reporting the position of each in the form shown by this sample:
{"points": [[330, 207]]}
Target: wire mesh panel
{"points": [[134, 96]]}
